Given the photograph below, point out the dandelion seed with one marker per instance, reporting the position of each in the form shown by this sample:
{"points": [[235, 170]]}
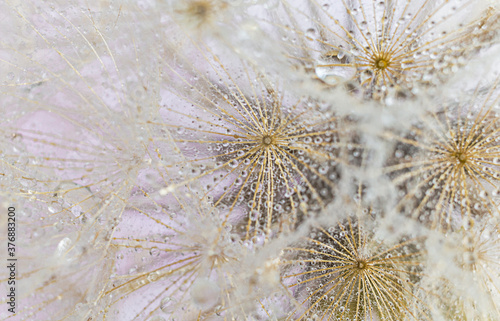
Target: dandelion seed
{"points": [[385, 47], [480, 256], [343, 272], [448, 169], [254, 141], [76, 160], [191, 266]]}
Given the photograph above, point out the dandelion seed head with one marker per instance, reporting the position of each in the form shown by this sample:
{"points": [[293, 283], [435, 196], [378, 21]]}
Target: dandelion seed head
{"points": [[267, 140], [254, 142]]}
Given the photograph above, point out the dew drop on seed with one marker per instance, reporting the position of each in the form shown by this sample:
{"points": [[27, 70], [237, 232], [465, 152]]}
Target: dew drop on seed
{"points": [[166, 304], [205, 293], [154, 251]]}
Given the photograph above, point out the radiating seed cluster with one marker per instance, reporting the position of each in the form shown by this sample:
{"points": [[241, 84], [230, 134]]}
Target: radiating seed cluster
{"points": [[251, 160], [385, 47], [258, 150], [448, 163], [344, 272]]}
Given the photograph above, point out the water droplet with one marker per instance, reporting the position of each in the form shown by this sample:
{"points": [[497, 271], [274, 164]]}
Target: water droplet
{"points": [[167, 304], [54, 207], [63, 246], [333, 67], [311, 33], [154, 251], [233, 163], [218, 310]]}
